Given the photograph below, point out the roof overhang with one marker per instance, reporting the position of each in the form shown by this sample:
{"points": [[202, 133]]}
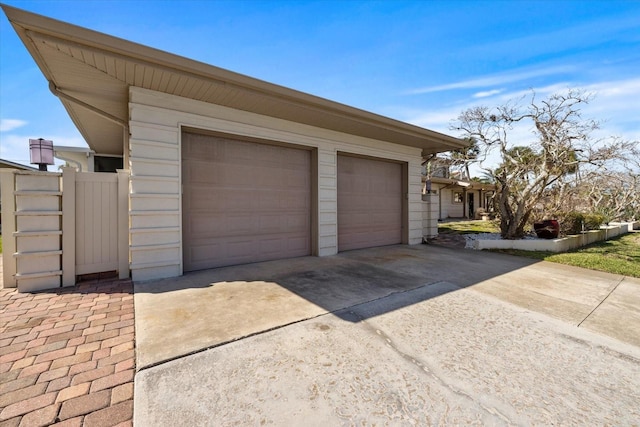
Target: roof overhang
{"points": [[91, 73], [468, 185]]}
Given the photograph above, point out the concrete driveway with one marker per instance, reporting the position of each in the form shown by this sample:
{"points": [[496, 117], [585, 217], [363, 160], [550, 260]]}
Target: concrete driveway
{"points": [[397, 335]]}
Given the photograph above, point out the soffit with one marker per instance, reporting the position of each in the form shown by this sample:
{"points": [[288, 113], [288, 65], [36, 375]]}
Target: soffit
{"points": [[98, 69]]}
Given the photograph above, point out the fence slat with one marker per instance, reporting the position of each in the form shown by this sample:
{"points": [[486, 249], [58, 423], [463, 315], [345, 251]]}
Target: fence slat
{"points": [[96, 222]]}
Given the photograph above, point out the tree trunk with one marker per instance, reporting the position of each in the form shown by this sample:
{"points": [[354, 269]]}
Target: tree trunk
{"points": [[513, 219], [512, 228]]}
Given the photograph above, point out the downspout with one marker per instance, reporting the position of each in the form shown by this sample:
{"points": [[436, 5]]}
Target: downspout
{"points": [[125, 148]]}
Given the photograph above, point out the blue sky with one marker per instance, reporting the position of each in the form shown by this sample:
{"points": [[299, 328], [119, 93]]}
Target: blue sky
{"points": [[421, 62]]}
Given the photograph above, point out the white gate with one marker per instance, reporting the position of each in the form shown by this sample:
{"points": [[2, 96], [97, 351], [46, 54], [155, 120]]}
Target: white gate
{"points": [[96, 222]]}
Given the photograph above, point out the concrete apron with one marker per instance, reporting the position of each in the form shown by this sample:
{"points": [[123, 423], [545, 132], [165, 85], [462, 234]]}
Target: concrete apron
{"points": [[180, 316]]}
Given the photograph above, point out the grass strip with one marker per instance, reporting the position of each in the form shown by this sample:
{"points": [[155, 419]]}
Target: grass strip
{"points": [[620, 255], [468, 227]]}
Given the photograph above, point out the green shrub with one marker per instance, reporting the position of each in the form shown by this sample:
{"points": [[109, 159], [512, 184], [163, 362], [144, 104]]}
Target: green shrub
{"points": [[570, 223], [576, 222], [593, 221]]}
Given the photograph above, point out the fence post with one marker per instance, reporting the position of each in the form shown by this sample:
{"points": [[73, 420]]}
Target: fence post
{"points": [[123, 224], [68, 226], [8, 202]]}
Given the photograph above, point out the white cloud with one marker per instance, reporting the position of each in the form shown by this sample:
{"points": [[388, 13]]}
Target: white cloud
{"points": [[615, 105], [539, 91], [495, 79], [614, 101], [7, 125], [487, 93]]}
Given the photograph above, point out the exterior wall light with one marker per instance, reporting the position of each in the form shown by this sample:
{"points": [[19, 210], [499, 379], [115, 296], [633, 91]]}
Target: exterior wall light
{"points": [[41, 153]]}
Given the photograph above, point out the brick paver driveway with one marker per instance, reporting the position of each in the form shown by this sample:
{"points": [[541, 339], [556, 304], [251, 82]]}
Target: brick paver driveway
{"points": [[67, 356]]}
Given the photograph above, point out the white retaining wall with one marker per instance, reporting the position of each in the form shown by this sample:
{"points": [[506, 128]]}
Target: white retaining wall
{"points": [[634, 225], [563, 244]]}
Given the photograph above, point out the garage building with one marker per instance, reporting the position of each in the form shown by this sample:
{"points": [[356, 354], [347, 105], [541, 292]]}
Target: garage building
{"points": [[226, 169]]}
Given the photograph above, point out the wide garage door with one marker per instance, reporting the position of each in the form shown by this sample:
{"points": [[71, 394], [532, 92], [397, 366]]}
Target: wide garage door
{"points": [[369, 203], [243, 201]]}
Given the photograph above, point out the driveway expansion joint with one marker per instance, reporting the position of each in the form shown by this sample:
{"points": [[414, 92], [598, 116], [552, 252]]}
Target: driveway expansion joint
{"points": [[284, 325], [422, 366], [601, 302]]}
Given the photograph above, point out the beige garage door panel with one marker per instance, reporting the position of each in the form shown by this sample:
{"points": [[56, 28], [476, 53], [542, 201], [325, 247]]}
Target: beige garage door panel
{"points": [[243, 202], [369, 203]]}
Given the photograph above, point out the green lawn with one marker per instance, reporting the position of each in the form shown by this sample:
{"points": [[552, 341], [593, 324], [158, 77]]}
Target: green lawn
{"points": [[620, 255], [468, 227]]}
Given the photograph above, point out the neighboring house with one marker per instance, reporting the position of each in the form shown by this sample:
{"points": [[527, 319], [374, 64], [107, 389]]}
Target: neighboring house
{"points": [[458, 197], [6, 164], [462, 199], [225, 169], [84, 159]]}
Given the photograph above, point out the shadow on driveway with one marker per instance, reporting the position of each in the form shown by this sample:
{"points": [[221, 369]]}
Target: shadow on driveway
{"points": [[179, 316]]}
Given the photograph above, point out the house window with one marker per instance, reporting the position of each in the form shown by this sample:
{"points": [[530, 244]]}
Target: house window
{"points": [[457, 197], [107, 163]]}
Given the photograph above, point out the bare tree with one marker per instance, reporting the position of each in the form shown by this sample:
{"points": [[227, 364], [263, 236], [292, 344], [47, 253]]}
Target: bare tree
{"points": [[465, 157], [561, 144], [613, 194]]}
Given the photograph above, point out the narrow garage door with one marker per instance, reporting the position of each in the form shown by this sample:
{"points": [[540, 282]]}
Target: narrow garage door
{"points": [[369, 203], [243, 202]]}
